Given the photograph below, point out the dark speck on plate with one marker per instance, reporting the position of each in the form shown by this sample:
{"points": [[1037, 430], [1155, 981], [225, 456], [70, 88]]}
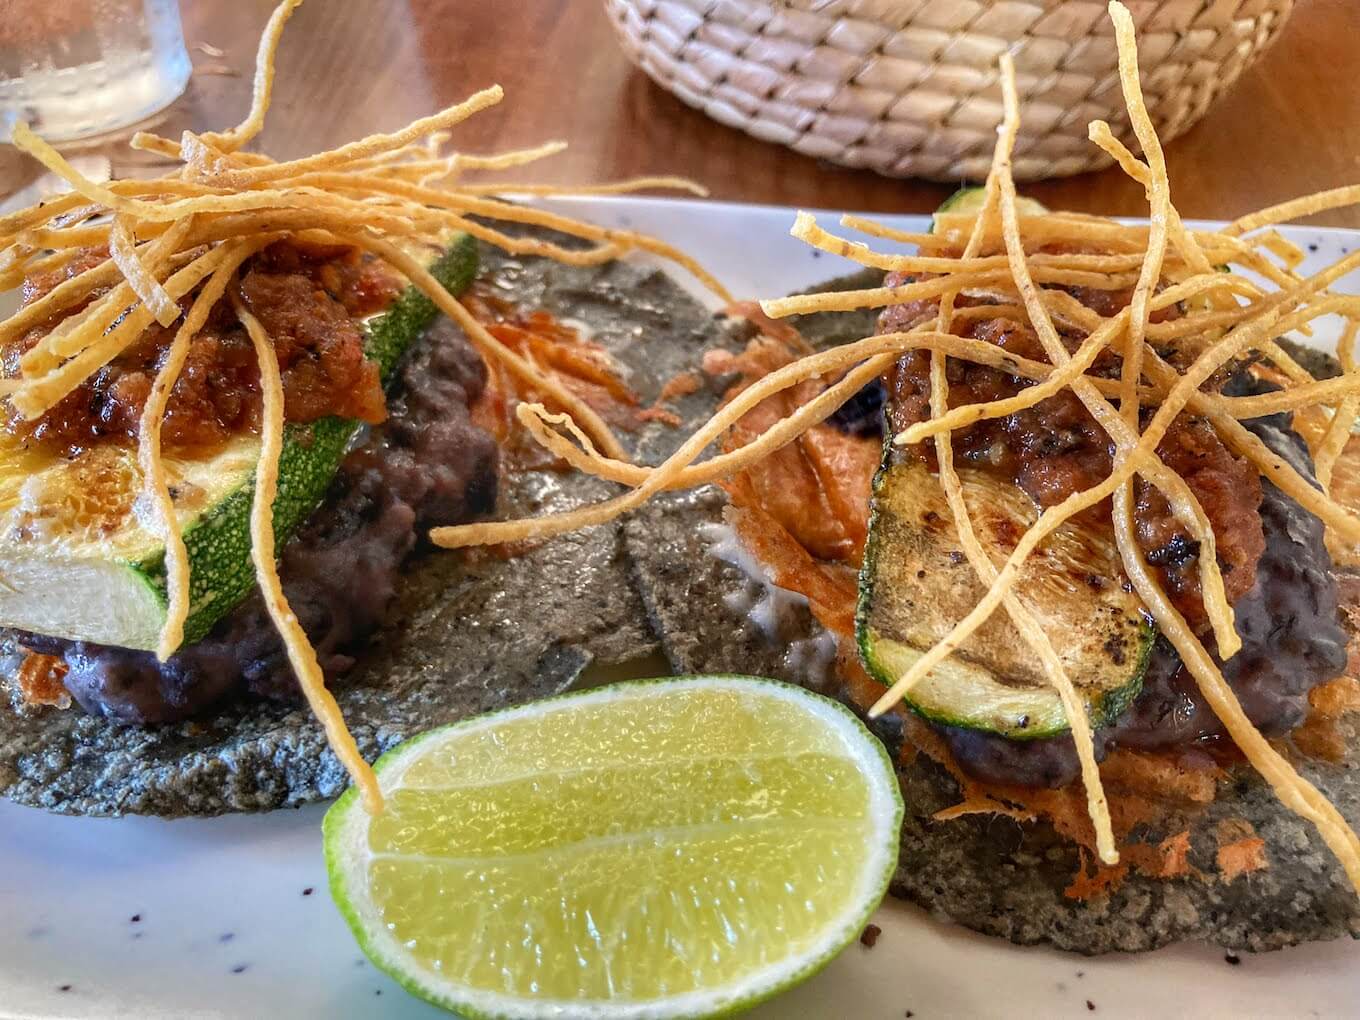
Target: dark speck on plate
{"points": [[1081, 973], [870, 935], [816, 254], [1232, 958], [308, 891], [240, 968], [1090, 1005], [909, 1014], [137, 934], [226, 936], [1313, 246], [65, 988], [377, 991], [135, 919]]}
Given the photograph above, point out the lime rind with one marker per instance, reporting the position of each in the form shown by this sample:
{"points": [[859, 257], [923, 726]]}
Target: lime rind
{"points": [[345, 827]]}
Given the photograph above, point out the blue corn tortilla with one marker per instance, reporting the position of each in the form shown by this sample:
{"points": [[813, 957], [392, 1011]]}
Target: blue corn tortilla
{"points": [[475, 635], [991, 873], [470, 634]]}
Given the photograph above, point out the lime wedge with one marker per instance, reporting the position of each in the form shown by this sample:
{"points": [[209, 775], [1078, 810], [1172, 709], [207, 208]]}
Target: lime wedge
{"points": [[661, 848]]}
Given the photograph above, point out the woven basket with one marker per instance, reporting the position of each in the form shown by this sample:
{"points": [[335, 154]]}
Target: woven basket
{"points": [[909, 87]]}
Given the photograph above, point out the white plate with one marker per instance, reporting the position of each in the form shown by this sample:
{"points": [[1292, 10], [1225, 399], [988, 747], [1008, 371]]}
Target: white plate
{"points": [[230, 917]]}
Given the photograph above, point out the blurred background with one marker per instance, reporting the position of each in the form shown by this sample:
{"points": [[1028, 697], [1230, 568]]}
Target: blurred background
{"points": [[764, 100]]}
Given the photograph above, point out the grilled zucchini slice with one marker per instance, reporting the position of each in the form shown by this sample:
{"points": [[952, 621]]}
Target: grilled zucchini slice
{"points": [[916, 584], [75, 560]]}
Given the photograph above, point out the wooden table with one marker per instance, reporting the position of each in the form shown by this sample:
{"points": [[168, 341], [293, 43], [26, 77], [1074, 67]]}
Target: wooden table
{"points": [[351, 67]]}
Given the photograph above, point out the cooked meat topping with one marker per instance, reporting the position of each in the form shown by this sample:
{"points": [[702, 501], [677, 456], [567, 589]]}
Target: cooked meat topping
{"points": [[1056, 448], [307, 298]]}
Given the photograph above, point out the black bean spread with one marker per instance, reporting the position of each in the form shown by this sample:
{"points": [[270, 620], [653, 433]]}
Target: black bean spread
{"points": [[426, 465]]}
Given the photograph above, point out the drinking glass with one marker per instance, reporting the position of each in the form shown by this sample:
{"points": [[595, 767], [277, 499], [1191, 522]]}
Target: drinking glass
{"points": [[76, 68]]}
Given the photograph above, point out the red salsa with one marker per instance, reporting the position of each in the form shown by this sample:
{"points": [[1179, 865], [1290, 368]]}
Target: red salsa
{"points": [[1056, 448], [309, 299]]}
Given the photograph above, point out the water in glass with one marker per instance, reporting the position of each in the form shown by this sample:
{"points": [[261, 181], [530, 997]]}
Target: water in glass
{"points": [[76, 68]]}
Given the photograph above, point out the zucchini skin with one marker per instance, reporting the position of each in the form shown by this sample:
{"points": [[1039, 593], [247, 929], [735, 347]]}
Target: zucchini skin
{"points": [[966, 197], [970, 197], [218, 542], [1102, 711]]}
